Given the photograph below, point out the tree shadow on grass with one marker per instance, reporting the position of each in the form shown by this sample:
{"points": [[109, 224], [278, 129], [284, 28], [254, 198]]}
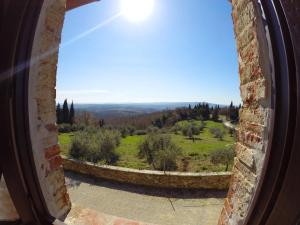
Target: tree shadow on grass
{"points": [[196, 139]]}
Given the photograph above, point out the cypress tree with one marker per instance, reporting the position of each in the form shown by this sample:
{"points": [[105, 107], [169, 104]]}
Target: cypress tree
{"points": [[72, 114], [59, 114], [66, 112], [215, 114], [206, 112], [233, 112]]}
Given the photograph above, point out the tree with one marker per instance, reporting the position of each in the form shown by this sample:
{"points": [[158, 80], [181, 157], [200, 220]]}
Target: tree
{"points": [[160, 151], [191, 130], [231, 131], [66, 112], [206, 112], [72, 114], [87, 119], [222, 156], [101, 123], [215, 114], [95, 145], [233, 112], [190, 134], [217, 133], [59, 114]]}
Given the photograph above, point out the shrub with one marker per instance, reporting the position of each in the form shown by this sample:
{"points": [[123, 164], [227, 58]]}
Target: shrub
{"points": [[152, 129], [190, 133], [222, 156], [185, 131], [126, 131], [202, 125], [159, 151], [108, 144], [217, 133], [191, 130], [196, 130], [64, 128], [165, 159], [67, 128], [140, 132], [85, 146], [175, 129], [95, 145]]}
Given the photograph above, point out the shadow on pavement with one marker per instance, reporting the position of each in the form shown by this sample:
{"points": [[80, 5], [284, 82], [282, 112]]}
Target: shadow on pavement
{"points": [[74, 180]]}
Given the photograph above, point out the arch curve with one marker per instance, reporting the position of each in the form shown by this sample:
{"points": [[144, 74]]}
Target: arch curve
{"points": [[268, 119]]}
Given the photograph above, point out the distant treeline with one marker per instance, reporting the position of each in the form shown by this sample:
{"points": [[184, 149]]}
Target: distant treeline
{"points": [[166, 118]]}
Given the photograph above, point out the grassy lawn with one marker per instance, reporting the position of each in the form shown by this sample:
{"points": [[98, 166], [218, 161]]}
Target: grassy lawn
{"points": [[65, 140], [197, 152]]}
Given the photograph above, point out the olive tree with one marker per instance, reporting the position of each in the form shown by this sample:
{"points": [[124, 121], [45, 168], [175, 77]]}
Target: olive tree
{"points": [[222, 156]]}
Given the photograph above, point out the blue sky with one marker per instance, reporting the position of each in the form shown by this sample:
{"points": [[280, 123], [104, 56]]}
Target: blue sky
{"points": [[184, 52]]}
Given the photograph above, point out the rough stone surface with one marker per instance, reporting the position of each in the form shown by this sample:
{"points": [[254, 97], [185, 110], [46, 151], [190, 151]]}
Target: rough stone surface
{"points": [[218, 181], [256, 112], [42, 94]]}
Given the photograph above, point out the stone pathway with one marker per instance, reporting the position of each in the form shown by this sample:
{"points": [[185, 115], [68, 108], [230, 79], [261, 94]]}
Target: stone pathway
{"points": [[152, 206], [85, 216]]}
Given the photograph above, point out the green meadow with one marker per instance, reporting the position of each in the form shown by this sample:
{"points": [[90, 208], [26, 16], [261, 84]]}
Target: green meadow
{"points": [[195, 154]]}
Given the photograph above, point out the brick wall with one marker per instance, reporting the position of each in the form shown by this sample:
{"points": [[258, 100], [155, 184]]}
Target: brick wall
{"points": [[256, 113], [42, 82]]}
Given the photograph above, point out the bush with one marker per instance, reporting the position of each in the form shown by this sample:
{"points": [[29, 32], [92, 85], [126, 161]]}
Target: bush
{"points": [[202, 125], [217, 133], [176, 129], [64, 128], [159, 151], [67, 128], [140, 132], [222, 156], [126, 131], [191, 130], [152, 129], [85, 146], [108, 144], [95, 145]]}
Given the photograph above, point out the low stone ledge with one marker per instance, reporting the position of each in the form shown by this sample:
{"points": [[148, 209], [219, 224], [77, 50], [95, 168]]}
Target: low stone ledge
{"points": [[211, 180]]}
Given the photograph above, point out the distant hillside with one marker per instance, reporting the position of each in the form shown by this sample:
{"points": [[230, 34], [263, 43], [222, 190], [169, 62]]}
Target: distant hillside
{"points": [[130, 109]]}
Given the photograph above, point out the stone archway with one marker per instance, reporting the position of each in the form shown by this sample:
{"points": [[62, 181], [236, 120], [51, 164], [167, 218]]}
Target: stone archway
{"points": [[256, 120]]}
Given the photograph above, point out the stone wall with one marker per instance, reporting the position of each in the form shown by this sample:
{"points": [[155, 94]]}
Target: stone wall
{"points": [[256, 113], [216, 181], [42, 104]]}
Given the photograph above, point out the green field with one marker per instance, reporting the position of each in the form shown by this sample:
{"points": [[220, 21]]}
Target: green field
{"points": [[197, 152]]}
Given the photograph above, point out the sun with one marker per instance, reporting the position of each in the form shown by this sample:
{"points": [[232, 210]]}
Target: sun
{"points": [[137, 10]]}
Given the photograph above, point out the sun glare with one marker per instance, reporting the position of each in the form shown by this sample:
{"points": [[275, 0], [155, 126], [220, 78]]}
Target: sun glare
{"points": [[137, 10]]}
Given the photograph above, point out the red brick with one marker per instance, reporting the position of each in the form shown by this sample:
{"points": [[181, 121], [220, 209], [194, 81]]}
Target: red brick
{"points": [[55, 162], [51, 127], [52, 151], [227, 206], [223, 219]]}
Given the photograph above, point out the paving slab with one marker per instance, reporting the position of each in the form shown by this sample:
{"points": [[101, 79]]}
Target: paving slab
{"points": [[143, 204]]}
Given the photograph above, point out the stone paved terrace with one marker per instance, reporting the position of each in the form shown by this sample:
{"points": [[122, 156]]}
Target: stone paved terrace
{"points": [[109, 201]]}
